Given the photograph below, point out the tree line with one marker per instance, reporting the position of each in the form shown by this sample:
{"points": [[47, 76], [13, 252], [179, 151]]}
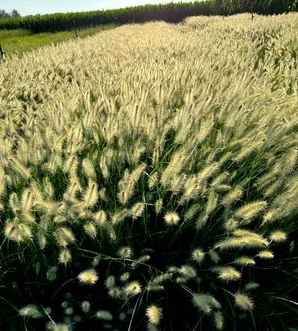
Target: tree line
{"points": [[266, 7], [172, 12], [4, 14]]}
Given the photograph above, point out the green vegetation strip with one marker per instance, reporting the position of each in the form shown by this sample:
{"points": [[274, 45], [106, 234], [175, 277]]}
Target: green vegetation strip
{"points": [[20, 41]]}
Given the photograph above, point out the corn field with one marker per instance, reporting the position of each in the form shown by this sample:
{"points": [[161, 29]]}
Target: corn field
{"points": [[149, 179]]}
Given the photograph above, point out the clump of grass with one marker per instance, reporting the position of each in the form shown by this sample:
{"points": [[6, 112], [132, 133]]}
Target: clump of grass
{"points": [[145, 169]]}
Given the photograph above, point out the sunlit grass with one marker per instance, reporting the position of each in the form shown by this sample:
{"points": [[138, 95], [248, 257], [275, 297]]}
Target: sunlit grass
{"points": [[149, 178]]}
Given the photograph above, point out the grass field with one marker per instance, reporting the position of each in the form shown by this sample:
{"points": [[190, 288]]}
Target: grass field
{"points": [[20, 41], [149, 179]]}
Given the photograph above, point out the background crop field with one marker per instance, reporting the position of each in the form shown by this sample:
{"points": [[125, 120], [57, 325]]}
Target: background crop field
{"points": [[20, 41], [169, 12], [149, 179]]}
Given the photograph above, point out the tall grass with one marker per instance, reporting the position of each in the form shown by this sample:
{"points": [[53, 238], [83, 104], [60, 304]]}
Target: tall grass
{"points": [[170, 12], [149, 179]]}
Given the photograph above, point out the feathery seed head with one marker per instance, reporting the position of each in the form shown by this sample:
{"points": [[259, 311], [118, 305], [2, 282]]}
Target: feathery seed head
{"points": [[214, 256], [228, 274], [172, 218], [104, 315], [208, 172], [128, 183], [251, 210], [64, 256], [90, 197], [60, 327], [125, 277], [137, 210], [219, 320], [100, 217], [64, 236], [243, 301], [88, 277], [245, 261], [198, 255], [266, 255], [90, 229], [158, 206], [220, 179], [278, 236], [125, 252], [232, 197], [154, 314], [85, 306], [133, 288], [206, 303], [119, 216], [30, 311], [243, 239], [231, 225], [188, 271], [153, 180], [246, 151], [212, 202], [88, 169], [110, 282], [17, 232]]}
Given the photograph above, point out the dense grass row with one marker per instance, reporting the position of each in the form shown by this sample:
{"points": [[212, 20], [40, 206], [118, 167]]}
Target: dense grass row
{"points": [[149, 179], [172, 12]]}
